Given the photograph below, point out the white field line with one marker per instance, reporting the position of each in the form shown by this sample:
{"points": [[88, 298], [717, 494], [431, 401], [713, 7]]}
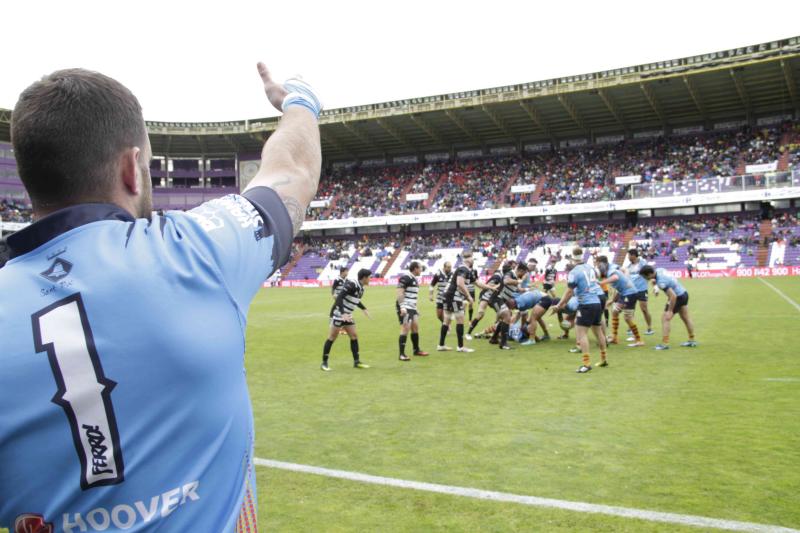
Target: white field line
{"points": [[641, 514], [779, 293]]}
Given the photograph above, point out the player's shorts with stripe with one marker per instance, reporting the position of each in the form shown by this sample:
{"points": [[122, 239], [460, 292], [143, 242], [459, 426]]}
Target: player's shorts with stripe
{"points": [[589, 315], [681, 301], [641, 296], [545, 303], [410, 314], [486, 296], [498, 305], [472, 294], [452, 305]]}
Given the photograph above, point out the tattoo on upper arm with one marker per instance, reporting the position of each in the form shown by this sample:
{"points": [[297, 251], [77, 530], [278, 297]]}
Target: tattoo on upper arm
{"points": [[296, 212]]}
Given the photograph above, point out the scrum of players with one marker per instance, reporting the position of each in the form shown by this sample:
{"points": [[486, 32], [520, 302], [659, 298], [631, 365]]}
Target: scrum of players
{"points": [[597, 290]]}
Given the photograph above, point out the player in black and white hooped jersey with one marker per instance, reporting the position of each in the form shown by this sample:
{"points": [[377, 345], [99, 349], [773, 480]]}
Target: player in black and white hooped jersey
{"points": [[407, 313], [471, 291], [486, 296], [550, 274], [454, 302], [349, 298], [439, 282], [509, 289], [336, 288]]}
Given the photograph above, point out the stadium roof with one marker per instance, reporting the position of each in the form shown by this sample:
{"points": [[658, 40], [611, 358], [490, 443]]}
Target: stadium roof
{"points": [[722, 87]]}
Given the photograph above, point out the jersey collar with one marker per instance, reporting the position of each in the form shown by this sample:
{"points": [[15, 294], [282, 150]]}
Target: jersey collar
{"points": [[62, 221]]}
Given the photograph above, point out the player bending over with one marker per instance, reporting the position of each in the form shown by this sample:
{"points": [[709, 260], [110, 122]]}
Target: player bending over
{"points": [[455, 296], [407, 293], [588, 315], [509, 290], [537, 303], [486, 297], [625, 301], [678, 302], [349, 298], [440, 281]]}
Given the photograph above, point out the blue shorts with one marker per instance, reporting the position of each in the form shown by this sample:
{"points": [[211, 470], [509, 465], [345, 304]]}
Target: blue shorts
{"points": [[641, 296], [628, 302]]}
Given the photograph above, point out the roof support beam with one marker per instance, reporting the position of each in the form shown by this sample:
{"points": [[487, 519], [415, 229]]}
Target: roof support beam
{"points": [[396, 135], [653, 101], [202, 143], [426, 127], [536, 117], [698, 102], [790, 83], [338, 145], [612, 108], [464, 129], [349, 126], [498, 122], [742, 92], [572, 111]]}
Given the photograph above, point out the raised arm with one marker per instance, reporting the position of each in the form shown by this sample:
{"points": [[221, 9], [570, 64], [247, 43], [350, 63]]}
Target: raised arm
{"points": [[292, 157]]}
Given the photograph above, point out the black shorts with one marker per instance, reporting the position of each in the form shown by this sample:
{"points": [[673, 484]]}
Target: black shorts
{"points": [[589, 315], [410, 314], [454, 306], [603, 300], [681, 301], [335, 322], [545, 303], [472, 293], [486, 296], [498, 305], [628, 302], [641, 296], [439, 305], [547, 286]]}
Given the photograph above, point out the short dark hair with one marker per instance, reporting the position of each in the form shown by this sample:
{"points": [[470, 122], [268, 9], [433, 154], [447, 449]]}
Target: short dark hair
{"points": [[466, 253], [364, 273], [68, 130], [602, 259], [634, 252], [414, 265], [343, 269], [522, 266], [646, 270]]}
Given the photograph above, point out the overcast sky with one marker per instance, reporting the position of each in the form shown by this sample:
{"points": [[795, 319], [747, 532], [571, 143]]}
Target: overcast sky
{"points": [[195, 61]]}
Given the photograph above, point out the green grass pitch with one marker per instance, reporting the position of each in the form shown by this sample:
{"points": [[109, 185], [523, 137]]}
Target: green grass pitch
{"points": [[712, 431]]}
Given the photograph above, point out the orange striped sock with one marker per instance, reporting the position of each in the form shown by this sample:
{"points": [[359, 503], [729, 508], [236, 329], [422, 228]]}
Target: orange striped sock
{"points": [[635, 331], [614, 326], [602, 356], [665, 339], [587, 361], [691, 337]]}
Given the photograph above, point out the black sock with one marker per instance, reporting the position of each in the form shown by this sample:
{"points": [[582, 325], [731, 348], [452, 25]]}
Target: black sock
{"points": [[460, 334], [470, 314], [403, 344], [354, 348], [326, 350], [605, 313], [472, 325], [415, 341], [443, 334], [503, 333]]}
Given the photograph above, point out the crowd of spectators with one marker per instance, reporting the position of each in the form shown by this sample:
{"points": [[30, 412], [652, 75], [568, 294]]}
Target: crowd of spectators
{"points": [[786, 229], [569, 175], [14, 211]]}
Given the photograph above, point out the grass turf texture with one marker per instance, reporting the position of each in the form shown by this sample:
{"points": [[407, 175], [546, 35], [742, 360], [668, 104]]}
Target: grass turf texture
{"points": [[699, 431]]}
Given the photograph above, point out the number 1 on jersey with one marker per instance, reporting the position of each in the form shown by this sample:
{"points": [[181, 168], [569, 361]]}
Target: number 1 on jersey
{"points": [[84, 392]]}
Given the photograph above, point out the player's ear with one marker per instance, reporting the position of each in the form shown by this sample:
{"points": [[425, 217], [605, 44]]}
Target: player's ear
{"points": [[129, 168]]}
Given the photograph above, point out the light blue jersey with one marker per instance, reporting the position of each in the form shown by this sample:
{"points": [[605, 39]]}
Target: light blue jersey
{"points": [[638, 281], [623, 285], [124, 403], [666, 281], [528, 300], [580, 280], [572, 306]]}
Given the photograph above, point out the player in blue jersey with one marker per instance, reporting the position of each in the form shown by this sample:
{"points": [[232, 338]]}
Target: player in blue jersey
{"points": [[589, 315], [635, 264], [537, 303], [124, 402], [625, 300], [677, 302]]}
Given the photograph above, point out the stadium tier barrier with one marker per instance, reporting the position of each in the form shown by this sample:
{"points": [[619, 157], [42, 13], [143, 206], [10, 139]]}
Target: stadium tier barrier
{"points": [[750, 272]]}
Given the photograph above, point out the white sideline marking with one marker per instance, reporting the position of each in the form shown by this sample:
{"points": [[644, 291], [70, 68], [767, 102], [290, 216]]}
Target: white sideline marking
{"points": [[780, 293], [641, 514], [783, 380]]}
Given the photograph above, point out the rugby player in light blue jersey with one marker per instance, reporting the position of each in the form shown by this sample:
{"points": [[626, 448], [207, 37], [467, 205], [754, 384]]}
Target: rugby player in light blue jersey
{"points": [[589, 315], [635, 264], [677, 302], [625, 300], [537, 303], [124, 403]]}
